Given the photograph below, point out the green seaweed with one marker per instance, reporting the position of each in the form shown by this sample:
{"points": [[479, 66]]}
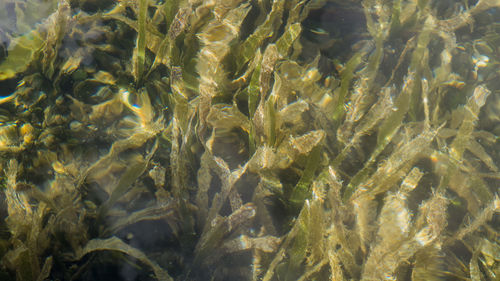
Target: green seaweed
{"points": [[249, 140]]}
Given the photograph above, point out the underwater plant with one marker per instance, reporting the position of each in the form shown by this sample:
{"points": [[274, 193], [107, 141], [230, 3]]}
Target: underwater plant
{"points": [[249, 140]]}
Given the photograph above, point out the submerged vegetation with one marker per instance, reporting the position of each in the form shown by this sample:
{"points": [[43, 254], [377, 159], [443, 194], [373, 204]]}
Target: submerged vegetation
{"points": [[249, 140]]}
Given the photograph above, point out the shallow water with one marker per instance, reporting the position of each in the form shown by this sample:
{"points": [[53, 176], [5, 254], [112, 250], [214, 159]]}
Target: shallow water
{"points": [[249, 140]]}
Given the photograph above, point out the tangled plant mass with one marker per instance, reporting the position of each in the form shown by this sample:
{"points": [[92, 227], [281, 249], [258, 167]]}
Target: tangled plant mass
{"points": [[249, 140]]}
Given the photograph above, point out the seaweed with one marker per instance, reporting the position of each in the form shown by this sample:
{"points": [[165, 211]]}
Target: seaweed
{"points": [[249, 140]]}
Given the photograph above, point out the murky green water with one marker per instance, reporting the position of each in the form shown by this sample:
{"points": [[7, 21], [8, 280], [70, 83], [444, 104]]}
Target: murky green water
{"points": [[249, 140]]}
